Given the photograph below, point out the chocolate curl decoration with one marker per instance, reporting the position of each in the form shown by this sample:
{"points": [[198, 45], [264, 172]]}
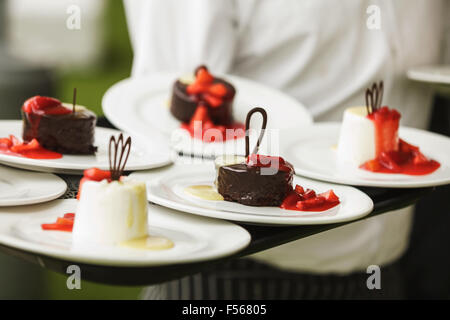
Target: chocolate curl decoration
{"points": [[247, 127], [374, 97], [117, 150]]}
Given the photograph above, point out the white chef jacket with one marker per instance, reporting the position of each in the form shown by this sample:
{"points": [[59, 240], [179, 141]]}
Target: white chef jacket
{"points": [[321, 52]]}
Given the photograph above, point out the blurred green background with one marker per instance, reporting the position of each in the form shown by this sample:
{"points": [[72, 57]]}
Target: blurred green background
{"points": [[113, 65]]}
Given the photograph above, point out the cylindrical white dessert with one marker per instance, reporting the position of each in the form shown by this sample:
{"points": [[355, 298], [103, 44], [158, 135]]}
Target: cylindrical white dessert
{"points": [[357, 137], [111, 212]]}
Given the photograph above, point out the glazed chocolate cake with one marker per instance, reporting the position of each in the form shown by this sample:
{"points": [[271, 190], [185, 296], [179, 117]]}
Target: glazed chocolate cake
{"points": [[215, 93], [255, 180], [245, 184], [59, 127]]}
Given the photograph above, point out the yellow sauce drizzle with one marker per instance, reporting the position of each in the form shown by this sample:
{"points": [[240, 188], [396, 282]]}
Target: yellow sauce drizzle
{"points": [[204, 192], [148, 243]]}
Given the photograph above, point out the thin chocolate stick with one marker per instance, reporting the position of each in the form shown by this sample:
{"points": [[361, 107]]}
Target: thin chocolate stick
{"points": [[247, 127], [74, 101]]}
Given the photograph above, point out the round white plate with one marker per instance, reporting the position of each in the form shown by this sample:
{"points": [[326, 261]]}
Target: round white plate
{"points": [[147, 112], [313, 155], [195, 238], [19, 187], [430, 74], [143, 155], [167, 189]]}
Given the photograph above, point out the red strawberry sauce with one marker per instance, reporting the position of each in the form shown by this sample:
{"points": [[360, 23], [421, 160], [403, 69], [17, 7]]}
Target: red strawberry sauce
{"points": [[300, 199], [33, 150], [394, 155]]}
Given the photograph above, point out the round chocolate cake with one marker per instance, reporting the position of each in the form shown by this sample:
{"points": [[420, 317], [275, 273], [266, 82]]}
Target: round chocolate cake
{"points": [[255, 180], [59, 130], [245, 184], [220, 108]]}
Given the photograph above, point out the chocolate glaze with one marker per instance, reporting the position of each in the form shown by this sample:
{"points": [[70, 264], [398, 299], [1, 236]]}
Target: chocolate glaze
{"points": [[246, 185], [71, 133], [183, 105]]}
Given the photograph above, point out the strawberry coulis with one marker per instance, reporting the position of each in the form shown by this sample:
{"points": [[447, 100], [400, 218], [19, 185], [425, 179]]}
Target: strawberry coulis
{"points": [[33, 150], [394, 155]]}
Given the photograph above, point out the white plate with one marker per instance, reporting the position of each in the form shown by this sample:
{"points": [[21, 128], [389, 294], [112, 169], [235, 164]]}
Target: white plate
{"points": [[314, 155], [142, 155], [195, 238], [19, 187], [147, 112], [430, 74], [166, 187]]}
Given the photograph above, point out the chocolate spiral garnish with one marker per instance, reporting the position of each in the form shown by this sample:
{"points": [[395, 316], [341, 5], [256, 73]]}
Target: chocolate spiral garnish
{"points": [[374, 97], [117, 150], [247, 127]]}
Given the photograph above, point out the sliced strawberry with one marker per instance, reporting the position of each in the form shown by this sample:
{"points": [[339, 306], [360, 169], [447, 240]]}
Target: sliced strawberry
{"points": [[330, 196], [32, 145], [14, 140], [309, 194], [64, 221], [299, 189], [310, 203], [420, 158], [212, 100], [5, 143], [96, 174], [372, 165], [57, 227], [218, 90], [203, 76], [196, 88], [201, 114], [69, 215], [40, 103]]}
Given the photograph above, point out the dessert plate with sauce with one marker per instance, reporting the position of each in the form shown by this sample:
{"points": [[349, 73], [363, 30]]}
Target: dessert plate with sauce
{"points": [[19, 187], [190, 188], [144, 155], [147, 113], [174, 237], [314, 155]]}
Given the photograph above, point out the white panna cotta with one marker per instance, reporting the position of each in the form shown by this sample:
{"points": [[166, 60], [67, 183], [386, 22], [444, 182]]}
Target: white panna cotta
{"points": [[110, 213], [357, 137]]}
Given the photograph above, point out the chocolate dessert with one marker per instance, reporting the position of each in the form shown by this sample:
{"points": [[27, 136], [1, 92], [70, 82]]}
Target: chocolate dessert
{"points": [[258, 180], [245, 184], [214, 93], [59, 127]]}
